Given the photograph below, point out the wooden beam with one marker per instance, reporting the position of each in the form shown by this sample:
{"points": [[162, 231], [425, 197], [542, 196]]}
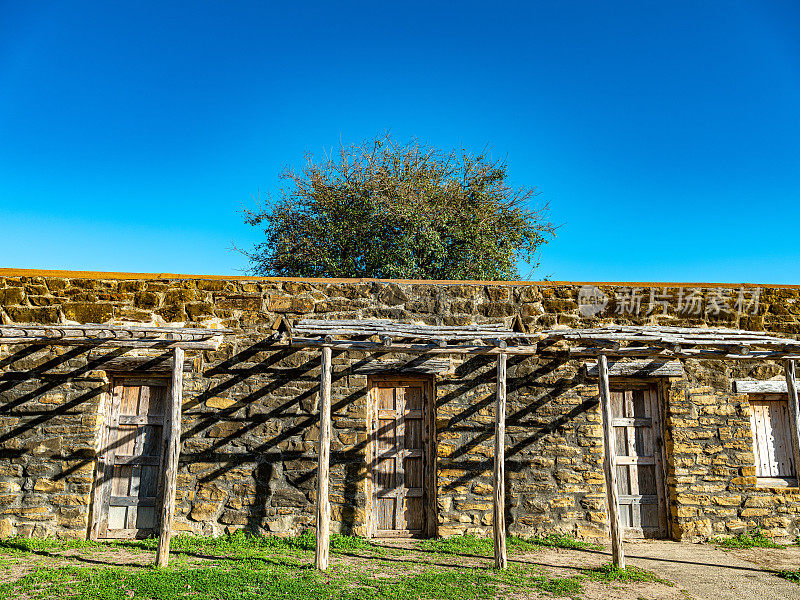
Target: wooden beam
{"points": [[610, 465], [432, 348], [794, 413], [760, 386], [173, 449], [638, 368], [323, 468], [209, 344], [499, 522]]}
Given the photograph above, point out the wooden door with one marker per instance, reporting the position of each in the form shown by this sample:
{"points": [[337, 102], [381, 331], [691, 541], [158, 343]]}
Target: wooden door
{"points": [[131, 459], [400, 457], [640, 480], [772, 441]]}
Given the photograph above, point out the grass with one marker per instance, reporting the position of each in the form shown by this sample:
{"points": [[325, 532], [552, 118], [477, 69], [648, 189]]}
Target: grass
{"points": [[630, 574], [248, 567], [790, 575], [745, 540], [467, 545]]}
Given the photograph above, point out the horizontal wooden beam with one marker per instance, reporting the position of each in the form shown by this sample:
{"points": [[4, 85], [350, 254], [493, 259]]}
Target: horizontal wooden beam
{"points": [[638, 368], [148, 364], [208, 344], [755, 386], [410, 348], [430, 366]]}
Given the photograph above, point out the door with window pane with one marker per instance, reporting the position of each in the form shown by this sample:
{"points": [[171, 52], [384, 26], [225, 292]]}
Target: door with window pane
{"points": [[640, 482], [131, 459], [399, 458]]}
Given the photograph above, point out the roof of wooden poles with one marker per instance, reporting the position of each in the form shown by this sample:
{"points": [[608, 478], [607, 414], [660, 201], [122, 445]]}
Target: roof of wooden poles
{"points": [[637, 341], [115, 336], [383, 335], [668, 342]]}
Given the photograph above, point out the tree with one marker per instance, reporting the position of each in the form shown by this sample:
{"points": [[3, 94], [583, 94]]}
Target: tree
{"points": [[398, 211]]}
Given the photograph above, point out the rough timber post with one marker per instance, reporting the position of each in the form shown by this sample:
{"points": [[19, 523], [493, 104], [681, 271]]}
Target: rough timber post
{"points": [[794, 413], [323, 469], [173, 449], [499, 527], [610, 464]]}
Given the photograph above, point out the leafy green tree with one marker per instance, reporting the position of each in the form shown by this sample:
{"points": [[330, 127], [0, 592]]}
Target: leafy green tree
{"points": [[400, 211]]}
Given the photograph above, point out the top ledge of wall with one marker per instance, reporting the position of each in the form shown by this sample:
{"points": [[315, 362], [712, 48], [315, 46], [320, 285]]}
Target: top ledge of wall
{"points": [[11, 272]]}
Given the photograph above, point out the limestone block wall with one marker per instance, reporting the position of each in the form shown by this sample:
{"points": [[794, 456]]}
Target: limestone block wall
{"points": [[248, 457]]}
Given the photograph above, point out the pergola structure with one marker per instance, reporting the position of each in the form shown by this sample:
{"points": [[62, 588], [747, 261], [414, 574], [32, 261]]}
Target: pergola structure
{"points": [[614, 341], [174, 339], [384, 336]]}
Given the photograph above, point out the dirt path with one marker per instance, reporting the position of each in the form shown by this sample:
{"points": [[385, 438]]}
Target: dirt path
{"points": [[707, 573]]}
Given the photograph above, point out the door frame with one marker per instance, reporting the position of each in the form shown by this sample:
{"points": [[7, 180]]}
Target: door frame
{"points": [[429, 487], [101, 481], [659, 441]]}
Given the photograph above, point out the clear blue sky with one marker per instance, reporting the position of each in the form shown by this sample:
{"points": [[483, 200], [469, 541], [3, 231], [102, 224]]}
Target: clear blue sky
{"points": [[664, 135]]}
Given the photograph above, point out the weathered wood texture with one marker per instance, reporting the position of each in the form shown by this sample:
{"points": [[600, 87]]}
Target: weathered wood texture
{"points": [[638, 369], [422, 365], [610, 466], [117, 336], [755, 386], [141, 364], [173, 448], [131, 457], [499, 497], [794, 413], [640, 485], [323, 464], [772, 436], [667, 342], [399, 456], [402, 348]]}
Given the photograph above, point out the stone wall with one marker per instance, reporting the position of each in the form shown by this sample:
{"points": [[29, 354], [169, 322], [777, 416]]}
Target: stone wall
{"points": [[248, 457]]}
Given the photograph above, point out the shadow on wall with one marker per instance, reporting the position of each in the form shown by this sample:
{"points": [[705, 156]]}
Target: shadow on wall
{"points": [[253, 456]]}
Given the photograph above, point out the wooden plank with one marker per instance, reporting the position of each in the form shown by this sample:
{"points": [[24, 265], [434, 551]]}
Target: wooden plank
{"points": [[499, 501], [754, 386], [609, 466], [101, 469], [323, 467], [429, 459], [423, 365], [172, 449], [794, 413], [141, 420], [142, 364], [132, 501], [638, 369], [411, 348]]}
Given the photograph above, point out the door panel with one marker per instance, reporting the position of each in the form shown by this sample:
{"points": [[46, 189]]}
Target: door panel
{"points": [[130, 460], [399, 456], [640, 483]]}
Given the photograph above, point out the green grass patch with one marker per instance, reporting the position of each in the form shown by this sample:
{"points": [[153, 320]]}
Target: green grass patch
{"points": [[790, 575], [745, 540], [251, 580], [482, 546], [235, 545], [630, 574]]}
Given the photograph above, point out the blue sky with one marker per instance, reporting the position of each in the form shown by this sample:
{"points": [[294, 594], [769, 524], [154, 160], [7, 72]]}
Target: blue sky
{"points": [[664, 135]]}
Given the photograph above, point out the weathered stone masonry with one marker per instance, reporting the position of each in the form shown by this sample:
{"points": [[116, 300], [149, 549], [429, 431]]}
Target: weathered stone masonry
{"points": [[248, 458]]}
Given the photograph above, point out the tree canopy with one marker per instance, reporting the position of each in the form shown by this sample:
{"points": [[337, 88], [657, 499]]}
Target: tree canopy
{"points": [[398, 211]]}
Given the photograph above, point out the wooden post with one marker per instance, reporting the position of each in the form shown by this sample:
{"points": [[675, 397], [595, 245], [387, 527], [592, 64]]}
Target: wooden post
{"points": [[499, 527], [323, 469], [610, 464], [794, 413], [173, 449]]}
